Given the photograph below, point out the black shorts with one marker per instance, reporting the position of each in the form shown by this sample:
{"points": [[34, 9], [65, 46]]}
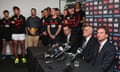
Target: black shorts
{"points": [[6, 37]]}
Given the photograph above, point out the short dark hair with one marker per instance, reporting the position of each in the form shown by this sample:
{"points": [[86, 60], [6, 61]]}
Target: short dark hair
{"points": [[42, 11], [15, 7], [48, 8], [78, 3], [105, 28], [45, 9], [56, 9], [33, 9], [70, 6], [67, 26], [5, 11]]}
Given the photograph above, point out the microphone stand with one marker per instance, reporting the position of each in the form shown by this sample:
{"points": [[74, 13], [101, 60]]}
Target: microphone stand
{"points": [[61, 50]]}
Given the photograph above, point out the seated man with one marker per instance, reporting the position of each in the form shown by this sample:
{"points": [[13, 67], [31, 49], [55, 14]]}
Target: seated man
{"points": [[71, 38], [88, 44], [104, 53]]}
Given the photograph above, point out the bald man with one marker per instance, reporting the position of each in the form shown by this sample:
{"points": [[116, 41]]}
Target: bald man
{"points": [[88, 44]]}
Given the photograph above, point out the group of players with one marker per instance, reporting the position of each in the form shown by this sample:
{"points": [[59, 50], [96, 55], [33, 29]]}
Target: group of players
{"points": [[47, 29]]}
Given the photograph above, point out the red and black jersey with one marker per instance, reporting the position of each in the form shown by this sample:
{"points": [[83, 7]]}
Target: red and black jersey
{"points": [[5, 27], [72, 20], [6, 24], [44, 23], [81, 13], [18, 24], [62, 17], [54, 23]]}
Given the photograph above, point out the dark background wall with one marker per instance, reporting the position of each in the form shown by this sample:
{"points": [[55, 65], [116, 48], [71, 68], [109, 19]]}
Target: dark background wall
{"points": [[106, 13]]}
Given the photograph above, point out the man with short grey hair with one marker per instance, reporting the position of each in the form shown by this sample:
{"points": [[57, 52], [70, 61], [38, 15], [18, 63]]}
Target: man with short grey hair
{"points": [[88, 44], [33, 26]]}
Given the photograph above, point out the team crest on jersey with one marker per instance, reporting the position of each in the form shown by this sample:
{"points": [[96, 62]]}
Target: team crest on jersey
{"points": [[43, 20], [7, 26], [71, 16], [4, 21], [15, 18], [53, 26], [60, 18], [68, 17], [51, 20]]}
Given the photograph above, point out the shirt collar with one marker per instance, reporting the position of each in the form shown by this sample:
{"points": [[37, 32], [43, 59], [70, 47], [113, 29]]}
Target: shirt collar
{"points": [[88, 38], [69, 35], [103, 42]]}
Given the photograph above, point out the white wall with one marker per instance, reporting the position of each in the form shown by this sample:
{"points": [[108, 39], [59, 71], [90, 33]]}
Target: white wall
{"points": [[25, 6]]}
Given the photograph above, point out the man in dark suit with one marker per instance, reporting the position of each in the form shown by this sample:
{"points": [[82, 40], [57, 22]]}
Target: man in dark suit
{"points": [[71, 38], [105, 52], [88, 44]]}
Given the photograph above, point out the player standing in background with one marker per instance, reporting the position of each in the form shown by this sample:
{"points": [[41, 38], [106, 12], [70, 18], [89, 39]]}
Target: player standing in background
{"points": [[54, 28], [6, 34], [44, 23], [18, 33]]}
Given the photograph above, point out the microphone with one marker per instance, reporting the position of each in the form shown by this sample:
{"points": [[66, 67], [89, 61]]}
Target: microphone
{"points": [[56, 51], [65, 47], [79, 51]]}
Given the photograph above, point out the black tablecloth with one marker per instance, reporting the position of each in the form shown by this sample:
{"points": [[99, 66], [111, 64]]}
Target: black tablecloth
{"points": [[33, 53], [61, 67], [37, 64]]}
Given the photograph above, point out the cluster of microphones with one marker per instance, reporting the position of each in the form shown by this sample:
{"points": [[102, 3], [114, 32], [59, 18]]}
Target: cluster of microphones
{"points": [[60, 52]]}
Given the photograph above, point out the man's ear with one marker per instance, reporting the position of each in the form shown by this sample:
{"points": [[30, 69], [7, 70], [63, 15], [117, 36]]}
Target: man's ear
{"points": [[107, 35]]}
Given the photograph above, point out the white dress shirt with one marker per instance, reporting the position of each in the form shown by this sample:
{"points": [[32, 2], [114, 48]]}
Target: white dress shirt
{"points": [[68, 38], [86, 41], [102, 44]]}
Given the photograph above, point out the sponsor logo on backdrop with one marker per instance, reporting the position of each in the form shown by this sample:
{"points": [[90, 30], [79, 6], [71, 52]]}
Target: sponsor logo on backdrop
{"points": [[105, 13]]}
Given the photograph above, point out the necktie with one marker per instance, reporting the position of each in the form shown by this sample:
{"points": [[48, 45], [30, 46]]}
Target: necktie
{"points": [[68, 39], [96, 54], [84, 44], [100, 47]]}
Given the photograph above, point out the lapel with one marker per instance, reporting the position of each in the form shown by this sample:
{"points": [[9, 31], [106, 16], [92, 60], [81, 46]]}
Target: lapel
{"points": [[104, 47], [83, 40], [96, 49], [89, 41], [70, 38]]}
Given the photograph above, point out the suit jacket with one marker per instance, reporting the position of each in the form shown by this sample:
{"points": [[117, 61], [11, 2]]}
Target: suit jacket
{"points": [[104, 60], [74, 42], [88, 52]]}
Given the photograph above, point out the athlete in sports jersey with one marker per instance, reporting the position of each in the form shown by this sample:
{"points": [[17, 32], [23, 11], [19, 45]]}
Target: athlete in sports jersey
{"points": [[54, 28], [18, 33], [6, 34]]}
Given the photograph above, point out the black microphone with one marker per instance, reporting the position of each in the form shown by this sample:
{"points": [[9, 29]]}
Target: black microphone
{"points": [[56, 51], [65, 47], [79, 51]]}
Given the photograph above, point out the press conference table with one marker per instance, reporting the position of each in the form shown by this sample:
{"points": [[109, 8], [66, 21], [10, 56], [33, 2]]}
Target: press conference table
{"points": [[37, 64]]}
